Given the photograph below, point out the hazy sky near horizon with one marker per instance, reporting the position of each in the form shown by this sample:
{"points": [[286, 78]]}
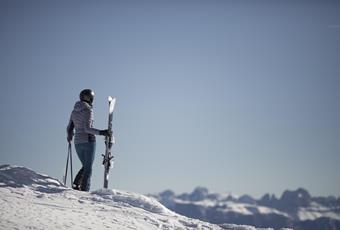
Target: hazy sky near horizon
{"points": [[239, 96]]}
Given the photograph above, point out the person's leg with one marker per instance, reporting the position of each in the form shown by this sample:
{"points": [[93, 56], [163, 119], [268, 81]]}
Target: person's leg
{"points": [[78, 180], [87, 165], [81, 152]]}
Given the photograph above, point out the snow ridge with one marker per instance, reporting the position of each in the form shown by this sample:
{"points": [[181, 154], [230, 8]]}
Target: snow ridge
{"points": [[30, 200], [135, 200]]}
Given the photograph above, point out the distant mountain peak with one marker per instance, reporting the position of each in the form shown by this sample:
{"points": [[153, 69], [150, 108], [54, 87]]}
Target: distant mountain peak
{"points": [[199, 193], [167, 193], [294, 199]]}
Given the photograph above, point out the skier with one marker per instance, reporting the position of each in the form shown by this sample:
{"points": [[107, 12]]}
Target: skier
{"points": [[81, 120]]}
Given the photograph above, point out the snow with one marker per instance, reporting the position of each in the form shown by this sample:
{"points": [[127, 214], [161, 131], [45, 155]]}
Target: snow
{"points": [[266, 210], [245, 227], [203, 203], [30, 200], [135, 200], [236, 208], [232, 206], [316, 211]]}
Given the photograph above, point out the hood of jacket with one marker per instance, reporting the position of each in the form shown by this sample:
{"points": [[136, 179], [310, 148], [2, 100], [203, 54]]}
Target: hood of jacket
{"points": [[82, 105]]}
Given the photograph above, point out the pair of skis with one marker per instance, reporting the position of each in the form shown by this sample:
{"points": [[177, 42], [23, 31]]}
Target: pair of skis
{"points": [[109, 141]]}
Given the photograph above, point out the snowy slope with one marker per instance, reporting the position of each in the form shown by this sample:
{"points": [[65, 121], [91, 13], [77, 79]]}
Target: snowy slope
{"points": [[29, 200]]}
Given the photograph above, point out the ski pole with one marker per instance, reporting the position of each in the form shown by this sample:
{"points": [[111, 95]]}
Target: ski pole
{"points": [[70, 153], [68, 156]]}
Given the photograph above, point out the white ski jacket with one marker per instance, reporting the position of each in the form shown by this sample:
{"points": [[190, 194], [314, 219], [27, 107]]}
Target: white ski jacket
{"points": [[81, 120]]}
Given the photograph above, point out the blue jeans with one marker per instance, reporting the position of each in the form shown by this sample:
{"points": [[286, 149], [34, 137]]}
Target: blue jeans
{"points": [[86, 153]]}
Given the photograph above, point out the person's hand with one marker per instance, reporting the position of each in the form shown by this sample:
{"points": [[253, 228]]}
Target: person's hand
{"points": [[69, 139], [105, 133]]}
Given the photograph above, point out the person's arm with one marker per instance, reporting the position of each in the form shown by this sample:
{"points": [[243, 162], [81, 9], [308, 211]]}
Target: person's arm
{"points": [[69, 130], [88, 123]]}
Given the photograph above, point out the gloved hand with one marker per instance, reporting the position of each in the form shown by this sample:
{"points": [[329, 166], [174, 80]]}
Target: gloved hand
{"points": [[69, 138], [105, 133]]}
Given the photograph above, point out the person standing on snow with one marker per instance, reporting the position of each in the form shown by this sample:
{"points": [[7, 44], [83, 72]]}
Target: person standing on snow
{"points": [[81, 120]]}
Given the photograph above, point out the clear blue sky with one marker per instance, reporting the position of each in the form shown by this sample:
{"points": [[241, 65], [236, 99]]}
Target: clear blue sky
{"points": [[238, 96]]}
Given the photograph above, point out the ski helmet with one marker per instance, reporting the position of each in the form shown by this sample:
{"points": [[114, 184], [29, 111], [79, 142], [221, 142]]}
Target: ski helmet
{"points": [[87, 95]]}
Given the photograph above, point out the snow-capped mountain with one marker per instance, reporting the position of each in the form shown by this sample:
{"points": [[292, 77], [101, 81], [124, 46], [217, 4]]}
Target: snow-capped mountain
{"points": [[294, 209], [30, 200]]}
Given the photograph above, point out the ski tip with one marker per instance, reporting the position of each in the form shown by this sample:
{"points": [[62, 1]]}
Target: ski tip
{"points": [[112, 99]]}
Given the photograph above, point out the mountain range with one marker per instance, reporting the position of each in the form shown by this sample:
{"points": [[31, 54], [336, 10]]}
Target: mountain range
{"points": [[294, 209]]}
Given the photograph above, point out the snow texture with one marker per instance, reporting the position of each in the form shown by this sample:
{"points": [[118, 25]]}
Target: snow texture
{"points": [[30, 200]]}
